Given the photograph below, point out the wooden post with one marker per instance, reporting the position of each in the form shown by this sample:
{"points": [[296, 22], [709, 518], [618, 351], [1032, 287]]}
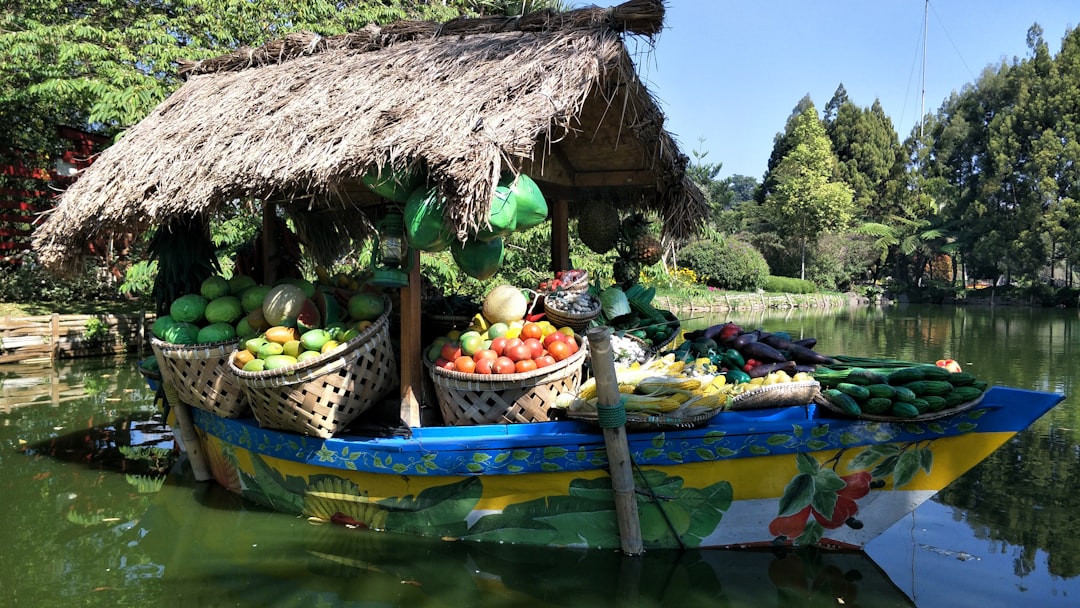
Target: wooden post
{"points": [[54, 346], [190, 438], [412, 367], [560, 235], [613, 422]]}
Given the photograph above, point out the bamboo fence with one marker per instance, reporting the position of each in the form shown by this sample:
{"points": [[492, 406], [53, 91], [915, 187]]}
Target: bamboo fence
{"points": [[56, 336]]}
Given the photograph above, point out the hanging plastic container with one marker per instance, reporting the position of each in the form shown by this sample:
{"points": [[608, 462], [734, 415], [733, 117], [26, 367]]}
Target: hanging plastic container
{"points": [[479, 259], [502, 216], [393, 184], [425, 229], [529, 204]]}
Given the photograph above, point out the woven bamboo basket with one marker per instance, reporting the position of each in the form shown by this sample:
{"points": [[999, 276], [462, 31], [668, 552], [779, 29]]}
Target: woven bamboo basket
{"points": [[471, 399], [195, 374], [562, 318], [782, 394], [322, 396]]}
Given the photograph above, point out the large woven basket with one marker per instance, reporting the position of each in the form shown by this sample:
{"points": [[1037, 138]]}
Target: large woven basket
{"points": [[470, 399], [322, 396], [195, 374]]}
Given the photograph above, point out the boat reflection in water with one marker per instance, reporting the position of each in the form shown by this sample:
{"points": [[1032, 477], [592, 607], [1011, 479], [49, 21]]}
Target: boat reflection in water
{"points": [[259, 561]]}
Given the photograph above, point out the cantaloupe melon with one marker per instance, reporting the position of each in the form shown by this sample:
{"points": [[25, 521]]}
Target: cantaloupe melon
{"points": [[283, 302], [505, 304]]}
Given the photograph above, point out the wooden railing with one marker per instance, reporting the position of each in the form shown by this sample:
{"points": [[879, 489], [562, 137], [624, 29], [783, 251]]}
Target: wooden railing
{"points": [[56, 336]]}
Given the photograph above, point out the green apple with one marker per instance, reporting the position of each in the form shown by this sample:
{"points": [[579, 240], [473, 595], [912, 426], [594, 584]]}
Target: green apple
{"points": [[471, 342], [497, 330]]}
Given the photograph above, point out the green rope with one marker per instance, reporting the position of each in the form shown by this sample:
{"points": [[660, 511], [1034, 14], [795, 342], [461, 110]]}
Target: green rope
{"points": [[611, 416]]}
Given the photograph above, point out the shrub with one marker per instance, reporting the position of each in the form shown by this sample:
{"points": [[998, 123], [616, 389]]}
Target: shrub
{"points": [[789, 285], [731, 264]]}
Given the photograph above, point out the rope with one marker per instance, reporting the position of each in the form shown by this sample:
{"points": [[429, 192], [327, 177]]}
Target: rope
{"points": [[659, 505], [611, 416]]}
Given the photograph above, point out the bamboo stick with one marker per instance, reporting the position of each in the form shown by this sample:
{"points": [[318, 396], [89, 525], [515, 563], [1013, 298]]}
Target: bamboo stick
{"points": [[191, 441], [618, 451]]}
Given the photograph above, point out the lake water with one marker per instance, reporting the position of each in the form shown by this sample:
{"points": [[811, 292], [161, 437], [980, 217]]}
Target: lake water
{"points": [[89, 520]]}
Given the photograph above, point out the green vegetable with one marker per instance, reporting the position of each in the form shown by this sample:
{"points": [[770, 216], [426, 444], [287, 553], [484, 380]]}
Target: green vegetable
{"points": [[613, 302]]}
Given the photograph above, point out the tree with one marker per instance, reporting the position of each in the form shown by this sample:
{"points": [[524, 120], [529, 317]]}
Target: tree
{"points": [[805, 200]]}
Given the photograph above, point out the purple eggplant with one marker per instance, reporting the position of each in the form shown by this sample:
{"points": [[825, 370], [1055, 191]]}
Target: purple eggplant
{"points": [[801, 354], [762, 352], [802, 367], [807, 342], [764, 369], [745, 338], [775, 341]]}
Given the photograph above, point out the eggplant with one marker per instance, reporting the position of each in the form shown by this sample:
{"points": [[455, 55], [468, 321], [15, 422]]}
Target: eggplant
{"points": [[745, 338], [801, 354], [776, 341], [762, 352], [807, 342], [802, 367], [765, 369]]}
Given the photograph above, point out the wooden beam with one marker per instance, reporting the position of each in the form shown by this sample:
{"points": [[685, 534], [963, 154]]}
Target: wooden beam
{"points": [[412, 367], [592, 179], [560, 235]]}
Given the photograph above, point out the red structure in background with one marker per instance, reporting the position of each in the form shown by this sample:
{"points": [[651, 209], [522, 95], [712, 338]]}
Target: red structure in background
{"points": [[27, 190]]}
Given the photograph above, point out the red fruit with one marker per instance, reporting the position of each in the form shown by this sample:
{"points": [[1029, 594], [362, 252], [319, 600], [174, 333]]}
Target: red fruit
{"points": [[572, 343], [790, 526], [512, 342], [465, 364], [450, 351], [536, 348], [531, 330], [555, 336], [559, 350], [485, 354], [503, 365], [483, 366], [544, 361], [443, 363], [518, 352], [498, 345], [845, 508], [525, 365], [858, 485]]}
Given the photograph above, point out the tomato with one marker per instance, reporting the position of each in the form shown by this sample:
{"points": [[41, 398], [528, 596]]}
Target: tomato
{"points": [[559, 350], [536, 348], [512, 342], [568, 331], [531, 330], [555, 336], [465, 364], [485, 354], [572, 343], [544, 361], [443, 363], [518, 352], [525, 365], [483, 366], [450, 351], [503, 365], [498, 345]]}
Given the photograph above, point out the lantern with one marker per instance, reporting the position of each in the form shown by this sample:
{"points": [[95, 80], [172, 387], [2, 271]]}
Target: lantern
{"points": [[391, 261]]}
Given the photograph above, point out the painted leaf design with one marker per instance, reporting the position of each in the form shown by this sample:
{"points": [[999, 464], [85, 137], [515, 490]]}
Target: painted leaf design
{"points": [[906, 466], [797, 495], [927, 457]]}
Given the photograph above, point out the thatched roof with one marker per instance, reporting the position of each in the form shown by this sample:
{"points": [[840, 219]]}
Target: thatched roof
{"points": [[298, 121]]}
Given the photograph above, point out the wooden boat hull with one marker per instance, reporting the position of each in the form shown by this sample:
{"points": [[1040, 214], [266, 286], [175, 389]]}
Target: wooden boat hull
{"points": [[761, 477]]}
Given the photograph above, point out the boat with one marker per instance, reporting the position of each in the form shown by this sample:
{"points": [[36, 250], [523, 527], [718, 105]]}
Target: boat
{"points": [[299, 125], [723, 484]]}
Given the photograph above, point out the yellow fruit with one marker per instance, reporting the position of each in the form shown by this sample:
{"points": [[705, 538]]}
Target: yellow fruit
{"points": [[242, 357], [329, 346], [282, 334]]}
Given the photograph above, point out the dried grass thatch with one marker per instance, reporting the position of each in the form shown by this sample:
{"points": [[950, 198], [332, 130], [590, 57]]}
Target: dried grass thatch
{"points": [[299, 121]]}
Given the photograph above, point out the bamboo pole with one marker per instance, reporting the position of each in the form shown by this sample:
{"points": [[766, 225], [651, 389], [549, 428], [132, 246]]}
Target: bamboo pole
{"points": [[191, 441], [613, 422]]}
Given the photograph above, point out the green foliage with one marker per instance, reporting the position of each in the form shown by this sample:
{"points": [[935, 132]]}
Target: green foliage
{"points": [[731, 264], [777, 284], [28, 282], [96, 330]]}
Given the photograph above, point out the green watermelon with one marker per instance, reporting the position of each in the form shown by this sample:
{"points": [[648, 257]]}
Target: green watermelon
{"points": [[529, 202], [479, 259], [216, 332], [394, 184], [161, 326], [424, 226], [225, 309], [188, 309], [182, 333]]}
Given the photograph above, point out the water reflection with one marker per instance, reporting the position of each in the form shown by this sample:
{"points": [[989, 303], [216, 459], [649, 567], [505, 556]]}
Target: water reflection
{"points": [[90, 520]]}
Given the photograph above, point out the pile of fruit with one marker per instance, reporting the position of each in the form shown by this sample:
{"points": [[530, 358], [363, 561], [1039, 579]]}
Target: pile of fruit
{"points": [[278, 325], [501, 341], [900, 389], [675, 388], [630, 312], [564, 279]]}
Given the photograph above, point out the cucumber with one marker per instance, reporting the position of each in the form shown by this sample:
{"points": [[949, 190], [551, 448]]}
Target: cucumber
{"points": [[904, 410], [961, 379], [856, 392], [907, 374], [843, 401], [922, 388], [934, 402], [922, 405], [865, 377], [903, 394], [881, 390], [933, 372], [877, 405]]}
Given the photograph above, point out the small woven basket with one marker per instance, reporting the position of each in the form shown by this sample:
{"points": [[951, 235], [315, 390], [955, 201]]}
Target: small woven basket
{"points": [[782, 394], [195, 374], [321, 396], [562, 318], [471, 399]]}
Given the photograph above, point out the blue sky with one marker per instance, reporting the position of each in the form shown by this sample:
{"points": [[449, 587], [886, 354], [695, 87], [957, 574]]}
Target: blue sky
{"points": [[731, 72]]}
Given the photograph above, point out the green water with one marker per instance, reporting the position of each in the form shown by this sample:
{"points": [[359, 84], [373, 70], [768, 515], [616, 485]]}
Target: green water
{"points": [[90, 522]]}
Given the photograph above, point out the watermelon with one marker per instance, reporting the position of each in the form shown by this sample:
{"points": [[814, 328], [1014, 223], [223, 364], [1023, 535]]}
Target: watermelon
{"points": [[224, 309], [479, 259], [188, 309]]}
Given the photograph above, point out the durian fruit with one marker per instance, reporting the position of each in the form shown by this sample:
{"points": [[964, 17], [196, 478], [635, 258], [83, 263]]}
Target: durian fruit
{"points": [[637, 243], [598, 226]]}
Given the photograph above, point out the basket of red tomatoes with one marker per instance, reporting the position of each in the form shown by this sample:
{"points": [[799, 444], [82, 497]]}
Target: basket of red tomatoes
{"points": [[490, 378]]}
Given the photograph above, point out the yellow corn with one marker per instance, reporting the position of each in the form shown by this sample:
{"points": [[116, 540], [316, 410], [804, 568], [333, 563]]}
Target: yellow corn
{"points": [[655, 384], [627, 389], [646, 403], [711, 401], [587, 390]]}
